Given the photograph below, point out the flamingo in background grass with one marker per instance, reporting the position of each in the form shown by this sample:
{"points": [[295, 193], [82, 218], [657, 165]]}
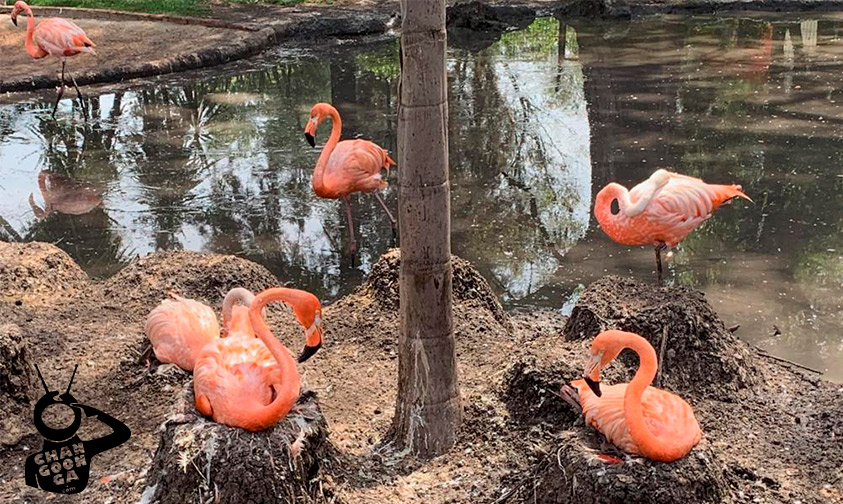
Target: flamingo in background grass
{"points": [[635, 417], [241, 381], [661, 211], [347, 167], [54, 37]]}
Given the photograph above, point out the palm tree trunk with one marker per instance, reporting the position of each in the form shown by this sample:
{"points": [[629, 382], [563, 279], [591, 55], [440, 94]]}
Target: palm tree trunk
{"points": [[428, 410]]}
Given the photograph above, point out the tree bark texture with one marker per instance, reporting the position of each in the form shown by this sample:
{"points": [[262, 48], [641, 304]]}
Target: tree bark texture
{"points": [[428, 409]]}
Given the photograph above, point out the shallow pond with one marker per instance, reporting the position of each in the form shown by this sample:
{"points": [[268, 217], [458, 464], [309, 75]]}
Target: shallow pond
{"points": [[216, 161]]}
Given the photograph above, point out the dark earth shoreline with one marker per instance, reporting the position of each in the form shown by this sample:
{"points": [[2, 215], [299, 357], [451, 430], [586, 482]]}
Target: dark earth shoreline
{"points": [[772, 432]]}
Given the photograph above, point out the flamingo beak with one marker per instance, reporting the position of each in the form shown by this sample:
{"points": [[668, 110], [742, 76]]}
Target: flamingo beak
{"points": [[593, 385], [310, 132], [15, 20], [314, 340], [591, 375]]}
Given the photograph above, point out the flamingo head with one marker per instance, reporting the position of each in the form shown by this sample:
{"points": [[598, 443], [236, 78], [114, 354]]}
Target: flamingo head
{"points": [[604, 349], [318, 114], [17, 9], [607, 210], [308, 311]]}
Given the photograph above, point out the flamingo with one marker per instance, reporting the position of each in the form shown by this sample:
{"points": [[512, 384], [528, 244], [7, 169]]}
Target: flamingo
{"points": [[635, 417], [241, 381], [179, 328], [63, 195], [662, 210], [54, 37], [347, 167]]}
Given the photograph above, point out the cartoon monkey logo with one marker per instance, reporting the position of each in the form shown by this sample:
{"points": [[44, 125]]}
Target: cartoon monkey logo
{"points": [[62, 466]]}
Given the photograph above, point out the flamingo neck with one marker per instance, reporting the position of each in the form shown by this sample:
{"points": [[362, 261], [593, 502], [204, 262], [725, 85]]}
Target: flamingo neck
{"points": [[31, 47], [650, 445], [235, 317], [287, 392], [333, 140]]}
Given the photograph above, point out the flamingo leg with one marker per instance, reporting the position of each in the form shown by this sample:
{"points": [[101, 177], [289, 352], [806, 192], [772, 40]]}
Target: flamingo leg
{"points": [[392, 220], [352, 248], [80, 96], [60, 90], [661, 246]]}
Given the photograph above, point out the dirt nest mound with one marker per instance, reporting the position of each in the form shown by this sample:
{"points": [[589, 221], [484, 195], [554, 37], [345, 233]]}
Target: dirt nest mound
{"points": [[202, 461], [16, 385], [468, 284], [699, 353], [574, 473], [146, 281], [38, 273]]}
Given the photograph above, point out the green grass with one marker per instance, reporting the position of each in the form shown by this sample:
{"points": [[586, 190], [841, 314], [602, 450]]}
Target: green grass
{"points": [[177, 7]]}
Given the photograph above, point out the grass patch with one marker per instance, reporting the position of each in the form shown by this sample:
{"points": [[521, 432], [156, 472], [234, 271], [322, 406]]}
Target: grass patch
{"points": [[178, 7]]}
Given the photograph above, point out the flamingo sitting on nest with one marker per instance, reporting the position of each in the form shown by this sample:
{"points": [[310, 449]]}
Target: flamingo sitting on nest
{"points": [[241, 381], [347, 167], [661, 211], [635, 417], [54, 37]]}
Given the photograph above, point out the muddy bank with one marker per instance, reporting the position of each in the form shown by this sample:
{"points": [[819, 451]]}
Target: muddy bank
{"points": [[776, 438]]}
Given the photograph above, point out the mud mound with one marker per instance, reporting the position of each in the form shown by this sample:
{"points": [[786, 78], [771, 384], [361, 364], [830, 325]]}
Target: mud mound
{"points": [[573, 473], [38, 273], [700, 354], [201, 461], [16, 385], [531, 392], [144, 282], [468, 284]]}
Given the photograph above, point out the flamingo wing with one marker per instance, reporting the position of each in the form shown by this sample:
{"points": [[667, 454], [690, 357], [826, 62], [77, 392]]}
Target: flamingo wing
{"points": [[355, 165], [179, 328], [60, 37], [666, 415]]}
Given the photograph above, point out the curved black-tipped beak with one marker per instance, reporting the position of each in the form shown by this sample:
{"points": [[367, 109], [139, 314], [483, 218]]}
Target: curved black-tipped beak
{"points": [[310, 139], [15, 21], [593, 385], [309, 350]]}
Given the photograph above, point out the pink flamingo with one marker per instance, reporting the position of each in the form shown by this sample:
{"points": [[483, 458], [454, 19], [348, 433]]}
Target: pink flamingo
{"points": [[54, 37], [635, 417], [662, 210], [347, 167], [179, 328], [241, 381]]}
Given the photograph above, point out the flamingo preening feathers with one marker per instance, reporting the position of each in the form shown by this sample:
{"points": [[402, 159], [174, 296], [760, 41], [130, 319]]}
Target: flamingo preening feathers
{"points": [[54, 37], [660, 211], [252, 383], [347, 167], [635, 417]]}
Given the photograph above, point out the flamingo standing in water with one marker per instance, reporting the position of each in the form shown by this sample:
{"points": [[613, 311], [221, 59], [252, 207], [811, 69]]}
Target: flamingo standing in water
{"points": [[661, 211], [241, 381], [635, 417], [347, 167], [55, 37]]}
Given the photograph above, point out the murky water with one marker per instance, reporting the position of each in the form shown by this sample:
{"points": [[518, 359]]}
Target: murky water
{"points": [[216, 161]]}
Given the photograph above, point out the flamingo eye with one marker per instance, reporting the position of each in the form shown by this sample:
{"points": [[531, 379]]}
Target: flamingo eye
{"points": [[615, 207]]}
